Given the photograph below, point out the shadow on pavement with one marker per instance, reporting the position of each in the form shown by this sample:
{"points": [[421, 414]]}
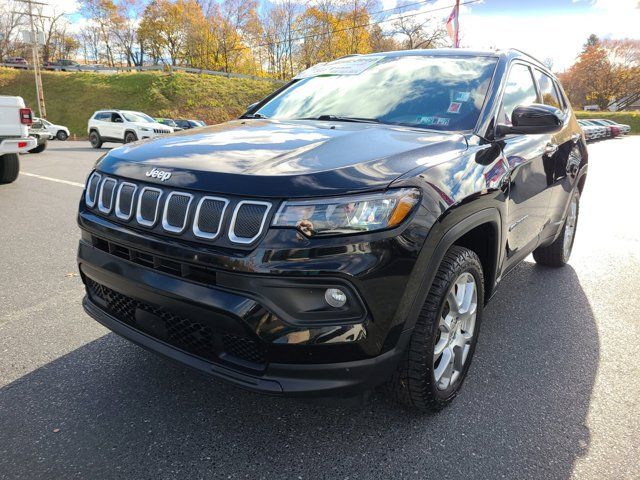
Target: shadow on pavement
{"points": [[125, 413]]}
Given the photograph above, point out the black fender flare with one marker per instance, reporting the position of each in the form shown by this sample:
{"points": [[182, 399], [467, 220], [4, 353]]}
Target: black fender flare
{"points": [[431, 263]]}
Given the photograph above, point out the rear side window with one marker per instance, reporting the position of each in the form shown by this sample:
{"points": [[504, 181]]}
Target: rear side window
{"points": [[548, 90], [520, 90], [103, 116]]}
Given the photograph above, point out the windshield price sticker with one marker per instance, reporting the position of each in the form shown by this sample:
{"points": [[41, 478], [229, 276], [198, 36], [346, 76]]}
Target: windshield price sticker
{"points": [[346, 66]]}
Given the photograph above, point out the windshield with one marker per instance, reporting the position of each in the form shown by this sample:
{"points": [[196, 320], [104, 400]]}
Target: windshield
{"points": [[438, 93], [137, 117]]}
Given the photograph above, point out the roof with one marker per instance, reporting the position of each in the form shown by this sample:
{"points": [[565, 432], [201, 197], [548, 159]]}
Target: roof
{"points": [[509, 54]]}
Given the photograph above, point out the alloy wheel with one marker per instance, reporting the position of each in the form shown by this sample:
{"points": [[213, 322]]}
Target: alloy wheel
{"points": [[570, 227], [456, 330]]}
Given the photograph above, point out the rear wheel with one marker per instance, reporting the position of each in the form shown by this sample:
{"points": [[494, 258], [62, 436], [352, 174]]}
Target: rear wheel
{"points": [[130, 137], [94, 138], [40, 148], [62, 135], [557, 254], [445, 335], [9, 167]]}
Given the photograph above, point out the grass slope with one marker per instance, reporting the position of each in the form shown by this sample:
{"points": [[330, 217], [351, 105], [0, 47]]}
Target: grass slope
{"points": [[629, 118], [71, 98]]}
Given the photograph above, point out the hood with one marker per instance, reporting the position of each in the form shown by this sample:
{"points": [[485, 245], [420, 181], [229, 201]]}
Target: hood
{"points": [[150, 125], [284, 159]]}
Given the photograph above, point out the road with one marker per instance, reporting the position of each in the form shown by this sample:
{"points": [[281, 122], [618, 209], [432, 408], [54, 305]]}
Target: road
{"points": [[553, 392]]}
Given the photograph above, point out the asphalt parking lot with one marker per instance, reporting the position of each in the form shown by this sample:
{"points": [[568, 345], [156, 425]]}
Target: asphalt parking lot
{"points": [[554, 390]]}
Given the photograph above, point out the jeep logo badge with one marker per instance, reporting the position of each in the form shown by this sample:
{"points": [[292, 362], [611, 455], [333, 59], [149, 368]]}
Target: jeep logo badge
{"points": [[159, 174]]}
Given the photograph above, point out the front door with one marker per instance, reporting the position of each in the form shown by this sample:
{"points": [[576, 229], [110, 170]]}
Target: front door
{"points": [[528, 201]]}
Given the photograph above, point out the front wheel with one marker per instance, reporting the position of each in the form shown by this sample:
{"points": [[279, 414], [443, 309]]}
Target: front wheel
{"points": [[445, 335], [130, 137], [62, 135], [557, 254]]}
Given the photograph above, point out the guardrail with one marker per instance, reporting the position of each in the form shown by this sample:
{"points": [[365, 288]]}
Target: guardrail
{"points": [[145, 68]]}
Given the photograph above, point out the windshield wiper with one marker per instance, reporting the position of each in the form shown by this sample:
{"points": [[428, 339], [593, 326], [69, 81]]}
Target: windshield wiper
{"points": [[337, 118], [253, 115]]}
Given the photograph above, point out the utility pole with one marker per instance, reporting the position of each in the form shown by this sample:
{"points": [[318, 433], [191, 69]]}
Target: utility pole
{"points": [[36, 61]]}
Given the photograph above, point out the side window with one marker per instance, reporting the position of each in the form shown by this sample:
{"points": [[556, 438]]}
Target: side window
{"points": [[548, 90], [116, 118], [103, 117], [520, 90]]}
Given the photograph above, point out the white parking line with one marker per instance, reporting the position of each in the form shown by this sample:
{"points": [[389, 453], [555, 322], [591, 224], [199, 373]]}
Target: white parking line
{"points": [[57, 180]]}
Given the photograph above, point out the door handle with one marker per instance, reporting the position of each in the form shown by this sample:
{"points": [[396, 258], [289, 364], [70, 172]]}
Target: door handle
{"points": [[550, 149]]}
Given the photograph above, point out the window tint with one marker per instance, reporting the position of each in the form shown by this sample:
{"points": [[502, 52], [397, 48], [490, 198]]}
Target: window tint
{"points": [[519, 90], [547, 90], [115, 116], [103, 116]]}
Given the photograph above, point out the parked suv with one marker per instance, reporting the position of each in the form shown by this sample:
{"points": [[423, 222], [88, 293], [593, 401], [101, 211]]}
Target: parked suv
{"points": [[346, 231], [122, 126]]}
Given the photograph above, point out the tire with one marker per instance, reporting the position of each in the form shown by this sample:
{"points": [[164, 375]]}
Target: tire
{"points": [[62, 135], [558, 253], [95, 139], [39, 149], [9, 167], [416, 382], [130, 137]]}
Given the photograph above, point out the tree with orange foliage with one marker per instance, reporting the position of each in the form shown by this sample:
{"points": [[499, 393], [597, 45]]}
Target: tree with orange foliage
{"points": [[606, 73]]}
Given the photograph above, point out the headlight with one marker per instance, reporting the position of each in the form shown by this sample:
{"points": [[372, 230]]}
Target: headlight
{"points": [[350, 214]]}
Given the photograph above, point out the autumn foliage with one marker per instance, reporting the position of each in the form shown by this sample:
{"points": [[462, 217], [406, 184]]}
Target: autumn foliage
{"points": [[607, 74]]}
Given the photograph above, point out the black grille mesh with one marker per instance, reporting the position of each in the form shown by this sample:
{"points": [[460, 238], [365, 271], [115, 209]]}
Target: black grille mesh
{"points": [[107, 192], [126, 199], [177, 210], [248, 220], [148, 203], [190, 336], [243, 348], [210, 215]]}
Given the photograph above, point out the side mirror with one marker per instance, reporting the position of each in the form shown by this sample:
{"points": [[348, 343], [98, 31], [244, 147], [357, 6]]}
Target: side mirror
{"points": [[117, 120], [532, 119]]}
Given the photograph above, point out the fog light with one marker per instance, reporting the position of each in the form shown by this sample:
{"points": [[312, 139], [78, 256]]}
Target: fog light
{"points": [[335, 297]]}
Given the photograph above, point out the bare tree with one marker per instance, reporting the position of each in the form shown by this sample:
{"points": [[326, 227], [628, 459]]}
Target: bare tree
{"points": [[419, 32], [10, 20]]}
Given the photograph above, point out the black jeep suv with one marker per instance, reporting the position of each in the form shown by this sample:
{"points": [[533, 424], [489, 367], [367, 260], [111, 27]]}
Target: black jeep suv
{"points": [[346, 231]]}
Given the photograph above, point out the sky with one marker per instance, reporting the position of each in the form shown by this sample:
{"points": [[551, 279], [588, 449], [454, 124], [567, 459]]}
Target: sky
{"points": [[546, 29]]}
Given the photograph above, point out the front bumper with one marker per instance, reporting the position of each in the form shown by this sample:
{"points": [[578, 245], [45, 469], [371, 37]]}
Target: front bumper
{"points": [[330, 379], [234, 324]]}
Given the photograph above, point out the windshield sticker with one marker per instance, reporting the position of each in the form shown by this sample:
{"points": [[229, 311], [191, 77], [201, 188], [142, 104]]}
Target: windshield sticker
{"points": [[454, 107], [462, 96], [426, 120], [441, 121], [345, 66]]}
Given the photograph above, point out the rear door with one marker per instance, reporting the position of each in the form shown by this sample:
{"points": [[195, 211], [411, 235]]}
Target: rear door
{"points": [[528, 201]]}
